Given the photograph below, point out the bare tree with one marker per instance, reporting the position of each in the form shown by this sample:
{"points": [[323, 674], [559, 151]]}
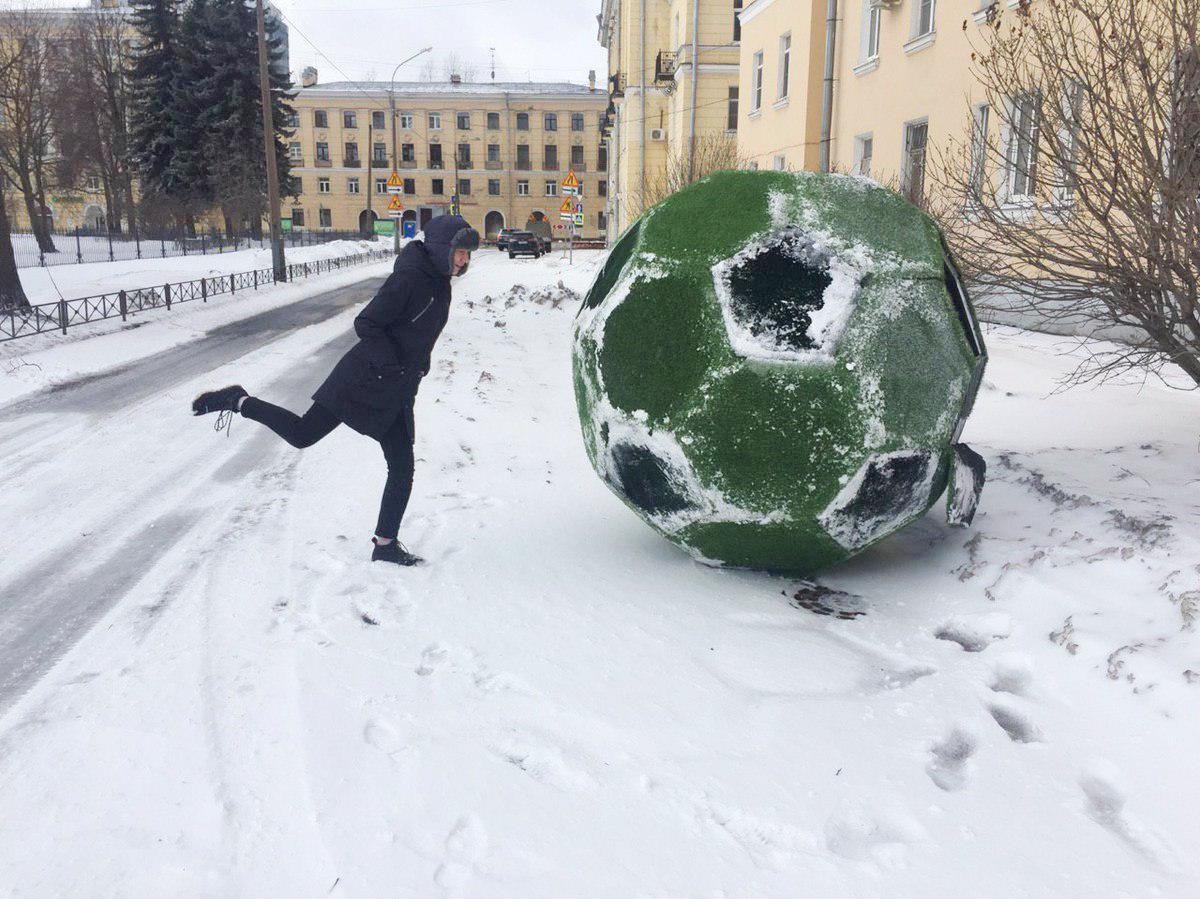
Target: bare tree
{"points": [[12, 293], [26, 115], [714, 152], [1076, 196]]}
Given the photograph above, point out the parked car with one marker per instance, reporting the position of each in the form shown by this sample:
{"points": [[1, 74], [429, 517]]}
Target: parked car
{"points": [[503, 236], [523, 243], [541, 229]]}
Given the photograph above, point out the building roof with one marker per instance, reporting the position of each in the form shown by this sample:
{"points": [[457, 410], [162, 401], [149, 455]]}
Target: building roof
{"points": [[464, 89]]}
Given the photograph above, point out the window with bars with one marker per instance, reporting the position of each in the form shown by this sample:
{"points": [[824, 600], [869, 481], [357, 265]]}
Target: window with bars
{"points": [[916, 134]]}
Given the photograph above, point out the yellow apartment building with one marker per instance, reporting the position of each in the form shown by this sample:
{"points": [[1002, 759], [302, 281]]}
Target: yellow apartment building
{"points": [[673, 79], [501, 148], [901, 82]]}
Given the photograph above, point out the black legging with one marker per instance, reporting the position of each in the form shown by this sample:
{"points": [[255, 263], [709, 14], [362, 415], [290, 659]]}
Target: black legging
{"points": [[316, 424]]}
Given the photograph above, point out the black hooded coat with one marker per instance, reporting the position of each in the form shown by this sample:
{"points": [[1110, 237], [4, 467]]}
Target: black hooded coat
{"points": [[377, 380]]}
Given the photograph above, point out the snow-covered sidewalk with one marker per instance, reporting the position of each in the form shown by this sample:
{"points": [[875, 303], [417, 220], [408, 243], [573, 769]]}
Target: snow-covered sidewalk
{"points": [[561, 703]]}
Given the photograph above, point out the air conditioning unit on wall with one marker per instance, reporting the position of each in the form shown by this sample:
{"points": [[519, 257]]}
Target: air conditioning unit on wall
{"points": [[658, 134]]}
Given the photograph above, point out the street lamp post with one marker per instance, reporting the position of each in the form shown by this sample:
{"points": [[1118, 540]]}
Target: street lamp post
{"points": [[392, 112]]}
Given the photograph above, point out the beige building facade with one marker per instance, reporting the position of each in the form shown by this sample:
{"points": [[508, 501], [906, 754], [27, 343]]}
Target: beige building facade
{"points": [[673, 81], [901, 84], [502, 148]]}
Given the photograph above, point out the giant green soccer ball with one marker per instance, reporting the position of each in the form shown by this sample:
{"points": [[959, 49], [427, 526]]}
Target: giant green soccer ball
{"points": [[773, 369]]}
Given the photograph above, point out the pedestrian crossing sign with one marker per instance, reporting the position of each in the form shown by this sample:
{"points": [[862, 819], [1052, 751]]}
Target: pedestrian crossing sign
{"points": [[395, 183]]}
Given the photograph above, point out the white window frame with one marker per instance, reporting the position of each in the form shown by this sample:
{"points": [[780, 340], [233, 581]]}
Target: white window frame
{"points": [[785, 67], [380, 186], [295, 151], [1072, 110], [861, 144], [756, 83], [922, 33], [780, 162], [868, 48], [981, 115], [551, 187], [1020, 181], [523, 187], [435, 121], [353, 186], [406, 121], [324, 186]]}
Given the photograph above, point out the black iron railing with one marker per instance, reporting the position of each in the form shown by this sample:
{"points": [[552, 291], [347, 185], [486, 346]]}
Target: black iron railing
{"points": [[65, 314]]}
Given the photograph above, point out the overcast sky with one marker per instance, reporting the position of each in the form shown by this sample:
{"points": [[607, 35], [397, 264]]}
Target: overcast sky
{"points": [[535, 40]]}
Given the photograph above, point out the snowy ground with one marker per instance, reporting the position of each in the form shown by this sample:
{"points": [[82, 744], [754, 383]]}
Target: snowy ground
{"points": [[48, 285], [561, 703]]}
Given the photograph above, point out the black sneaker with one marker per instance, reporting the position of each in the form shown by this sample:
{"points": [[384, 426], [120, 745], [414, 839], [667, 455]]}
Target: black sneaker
{"points": [[223, 400], [393, 552]]}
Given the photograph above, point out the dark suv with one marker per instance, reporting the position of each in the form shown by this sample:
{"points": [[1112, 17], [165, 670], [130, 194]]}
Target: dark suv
{"points": [[503, 236], [522, 243]]}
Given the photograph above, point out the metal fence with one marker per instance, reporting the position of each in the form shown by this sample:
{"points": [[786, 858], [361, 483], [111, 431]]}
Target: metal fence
{"points": [[66, 314], [86, 245]]}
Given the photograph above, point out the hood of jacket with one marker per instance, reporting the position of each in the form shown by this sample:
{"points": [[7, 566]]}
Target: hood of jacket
{"points": [[445, 234]]}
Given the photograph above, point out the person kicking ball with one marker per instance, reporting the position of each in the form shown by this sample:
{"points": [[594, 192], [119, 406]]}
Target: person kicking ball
{"points": [[374, 386]]}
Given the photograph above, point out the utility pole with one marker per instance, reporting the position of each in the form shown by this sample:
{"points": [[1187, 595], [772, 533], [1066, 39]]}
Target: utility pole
{"points": [[395, 158], [278, 263]]}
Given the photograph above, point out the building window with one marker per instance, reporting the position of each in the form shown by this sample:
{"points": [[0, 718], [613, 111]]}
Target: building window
{"points": [[410, 186], [320, 118], [781, 163], [757, 75], [550, 121], [493, 153], [406, 120], [522, 121], [92, 183], [325, 218], [408, 152], [550, 158], [601, 221], [737, 23], [493, 121], [923, 13], [577, 156], [731, 112], [437, 187], [577, 121], [381, 185], [323, 186], [602, 188], [297, 218], [351, 154], [322, 151], [349, 118], [551, 188], [493, 187], [463, 121], [523, 163], [869, 45], [294, 152], [1022, 154], [352, 186], [379, 154], [464, 187], [864, 148], [602, 160], [522, 188], [377, 121], [979, 133], [464, 155], [298, 183], [435, 156], [785, 64], [435, 120], [912, 182], [291, 121]]}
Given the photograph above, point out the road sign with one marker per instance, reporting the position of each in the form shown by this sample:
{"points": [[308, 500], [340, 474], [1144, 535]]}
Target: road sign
{"points": [[578, 220], [567, 206], [566, 216], [395, 184], [395, 206], [570, 184], [578, 209]]}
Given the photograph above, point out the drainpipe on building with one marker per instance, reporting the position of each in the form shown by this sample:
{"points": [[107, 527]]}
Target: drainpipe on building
{"points": [[695, 80], [831, 11], [642, 142]]}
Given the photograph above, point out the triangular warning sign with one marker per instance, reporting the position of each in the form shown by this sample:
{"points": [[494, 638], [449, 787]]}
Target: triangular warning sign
{"points": [[566, 206], [570, 181], [395, 180], [394, 204]]}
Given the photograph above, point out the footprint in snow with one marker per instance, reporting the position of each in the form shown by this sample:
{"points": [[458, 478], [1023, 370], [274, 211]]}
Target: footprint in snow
{"points": [[1015, 723], [975, 633], [544, 763], [466, 848], [948, 765], [383, 736], [1104, 803], [865, 835], [1013, 675], [432, 658]]}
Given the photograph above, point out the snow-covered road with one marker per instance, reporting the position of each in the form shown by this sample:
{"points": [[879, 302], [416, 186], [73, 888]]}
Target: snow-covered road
{"points": [[561, 703]]}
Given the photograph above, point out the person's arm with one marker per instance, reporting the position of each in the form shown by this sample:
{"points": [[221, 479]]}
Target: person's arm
{"points": [[385, 309]]}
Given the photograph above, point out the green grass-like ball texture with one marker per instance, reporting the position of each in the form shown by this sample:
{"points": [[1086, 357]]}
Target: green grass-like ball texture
{"points": [[777, 440]]}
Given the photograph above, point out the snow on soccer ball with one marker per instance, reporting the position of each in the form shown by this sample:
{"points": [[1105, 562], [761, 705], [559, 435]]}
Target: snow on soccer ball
{"points": [[773, 369]]}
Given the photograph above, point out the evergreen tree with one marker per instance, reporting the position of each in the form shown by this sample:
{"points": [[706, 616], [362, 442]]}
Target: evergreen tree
{"points": [[189, 168], [154, 93]]}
